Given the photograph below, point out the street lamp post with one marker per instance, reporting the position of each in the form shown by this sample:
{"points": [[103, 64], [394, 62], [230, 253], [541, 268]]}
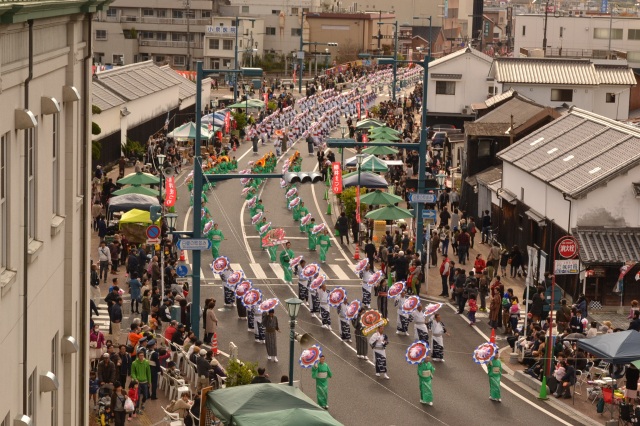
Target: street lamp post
{"points": [[293, 307], [235, 59], [424, 132], [359, 158], [395, 55], [171, 219]]}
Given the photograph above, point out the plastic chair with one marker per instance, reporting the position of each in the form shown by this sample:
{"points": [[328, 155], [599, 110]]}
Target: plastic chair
{"points": [[194, 420], [580, 379], [173, 419], [222, 381]]}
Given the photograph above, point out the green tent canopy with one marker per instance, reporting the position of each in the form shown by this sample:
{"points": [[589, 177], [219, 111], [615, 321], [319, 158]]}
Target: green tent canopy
{"points": [[380, 150], [136, 189], [251, 103], [383, 137], [386, 130], [373, 164], [266, 404], [368, 124], [378, 197], [389, 213], [139, 178]]}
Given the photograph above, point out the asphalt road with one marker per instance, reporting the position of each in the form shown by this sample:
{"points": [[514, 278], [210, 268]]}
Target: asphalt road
{"points": [[356, 395]]}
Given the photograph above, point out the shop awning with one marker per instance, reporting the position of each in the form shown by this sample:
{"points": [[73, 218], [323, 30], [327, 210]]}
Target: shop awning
{"points": [[536, 217], [507, 196], [600, 245]]}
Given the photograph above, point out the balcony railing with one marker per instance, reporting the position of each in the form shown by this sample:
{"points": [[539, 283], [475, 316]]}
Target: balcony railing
{"points": [[168, 43], [164, 21]]}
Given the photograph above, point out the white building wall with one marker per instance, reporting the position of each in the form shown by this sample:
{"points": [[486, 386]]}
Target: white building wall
{"points": [[55, 268], [577, 34], [472, 87], [591, 98]]}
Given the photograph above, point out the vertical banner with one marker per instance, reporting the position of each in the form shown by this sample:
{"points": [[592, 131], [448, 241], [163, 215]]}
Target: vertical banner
{"points": [[532, 266], [336, 180], [365, 138], [358, 111], [295, 80], [358, 204], [446, 9], [542, 268], [265, 95], [379, 228], [170, 191], [227, 122]]}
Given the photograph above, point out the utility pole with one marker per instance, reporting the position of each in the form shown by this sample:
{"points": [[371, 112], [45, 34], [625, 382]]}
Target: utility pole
{"points": [[544, 38], [235, 62], [301, 53], [379, 31], [188, 7]]}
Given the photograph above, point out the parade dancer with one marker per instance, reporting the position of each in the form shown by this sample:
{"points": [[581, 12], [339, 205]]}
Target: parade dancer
{"points": [[270, 322], [425, 376], [302, 212], [325, 314], [419, 322], [345, 329], [315, 301], [402, 326], [366, 290], [242, 310], [362, 346], [258, 331], [285, 256], [313, 238], [437, 328], [325, 242], [321, 373], [379, 342], [228, 289], [494, 371], [250, 319], [303, 282]]}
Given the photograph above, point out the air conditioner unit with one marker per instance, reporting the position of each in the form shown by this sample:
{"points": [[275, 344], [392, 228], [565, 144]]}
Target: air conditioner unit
{"points": [[465, 111]]}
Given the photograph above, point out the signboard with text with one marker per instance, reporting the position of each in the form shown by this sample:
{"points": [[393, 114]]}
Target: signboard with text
{"points": [[566, 266], [211, 29], [170, 191], [336, 180]]}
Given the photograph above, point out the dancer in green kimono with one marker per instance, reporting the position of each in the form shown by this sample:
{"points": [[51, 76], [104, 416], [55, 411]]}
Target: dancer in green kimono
{"points": [[322, 373], [285, 256], [494, 371], [302, 211], [425, 376], [250, 193], [256, 208], [216, 238], [325, 242], [262, 234], [296, 212], [313, 238], [290, 199]]}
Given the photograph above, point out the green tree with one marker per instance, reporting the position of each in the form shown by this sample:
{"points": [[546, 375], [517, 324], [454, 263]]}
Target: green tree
{"points": [[241, 121], [240, 373], [348, 198]]}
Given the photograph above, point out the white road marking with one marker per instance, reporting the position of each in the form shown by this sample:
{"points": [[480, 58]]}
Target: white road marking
{"points": [[278, 270], [258, 271], [236, 267], [339, 272]]}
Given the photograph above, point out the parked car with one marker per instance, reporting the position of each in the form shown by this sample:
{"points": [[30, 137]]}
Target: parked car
{"points": [[438, 139]]}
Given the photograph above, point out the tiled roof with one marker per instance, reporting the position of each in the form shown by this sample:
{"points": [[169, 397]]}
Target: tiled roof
{"points": [[459, 53], [560, 71], [137, 80], [577, 152], [608, 245], [103, 98], [187, 87], [498, 121]]}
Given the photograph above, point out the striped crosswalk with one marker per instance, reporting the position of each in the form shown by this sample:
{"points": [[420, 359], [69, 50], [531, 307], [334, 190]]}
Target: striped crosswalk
{"points": [[274, 271], [102, 319]]}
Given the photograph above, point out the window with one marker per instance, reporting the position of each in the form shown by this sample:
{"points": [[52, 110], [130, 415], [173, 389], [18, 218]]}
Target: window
{"points": [[179, 61], [206, 14], [118, 59], [146, 35], [31, 182], [227, 44], [245, 9], [97, 57], [633, 34], [306, 9], [270, 31], [294, 10], [214, 43], [31, 396], [159, 59], [484, 148], [226, 63], [295, 32], [55, 164], [177, 14], [275, 12], [147, 12], [101, 34], [603, 33], [524, 30], [178, 37], [112, 13], [54, 370], [161, 13], [561, 95], [445, 87], [215, 63], [4, 159], [610, 98], [161, 36], [240, 44], [190, 14]]}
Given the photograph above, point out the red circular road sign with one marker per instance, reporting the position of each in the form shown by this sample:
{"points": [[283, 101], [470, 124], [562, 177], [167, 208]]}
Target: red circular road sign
{"points": [[153, 232], [568, 247]]}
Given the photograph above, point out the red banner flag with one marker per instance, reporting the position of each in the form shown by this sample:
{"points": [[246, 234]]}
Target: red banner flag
{"points": [[227, 122], [358, 204], [295, 80], [266, 97], [336, 180], [358, 110], [170, 191]]}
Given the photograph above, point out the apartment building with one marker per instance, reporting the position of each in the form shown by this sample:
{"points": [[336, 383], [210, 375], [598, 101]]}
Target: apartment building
{"points": [[165, 31], [45, 197]]}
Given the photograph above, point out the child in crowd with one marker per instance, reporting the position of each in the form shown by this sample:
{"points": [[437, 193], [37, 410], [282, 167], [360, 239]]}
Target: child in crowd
{"points": [[473, 308], [133, 395], [634, 307], [94, 385]]}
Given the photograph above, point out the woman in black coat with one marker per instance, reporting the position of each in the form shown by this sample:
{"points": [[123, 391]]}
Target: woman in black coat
{"points": [[355, 229], [516, 260]]}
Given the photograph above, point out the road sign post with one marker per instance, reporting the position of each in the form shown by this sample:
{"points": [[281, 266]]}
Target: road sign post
{"points": [[194, 244], [423, 198]]}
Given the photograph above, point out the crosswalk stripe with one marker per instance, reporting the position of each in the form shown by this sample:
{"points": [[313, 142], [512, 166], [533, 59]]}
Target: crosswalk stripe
{"points": [[237, 267], [258, 271], [275, 267], [339, 272]]}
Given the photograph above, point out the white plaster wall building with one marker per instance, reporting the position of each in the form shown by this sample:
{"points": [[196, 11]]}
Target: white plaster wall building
{"points": [[601, 86], [456, 81], [44, 210], [580, 36], [220, 42]]}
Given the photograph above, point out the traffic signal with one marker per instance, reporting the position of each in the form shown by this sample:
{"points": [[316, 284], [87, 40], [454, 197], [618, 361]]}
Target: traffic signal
{"points": [[302, 177], [332, 44], [154, 213]]}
